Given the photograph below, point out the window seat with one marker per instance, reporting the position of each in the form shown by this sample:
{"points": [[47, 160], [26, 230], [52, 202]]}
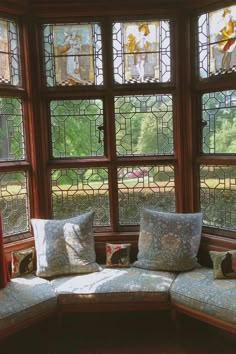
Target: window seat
{"points": [[28, 299]]}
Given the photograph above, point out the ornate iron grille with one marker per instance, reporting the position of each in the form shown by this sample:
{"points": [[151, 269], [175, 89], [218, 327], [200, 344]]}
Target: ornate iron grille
{"points": [[141, 52], [219, 122], [217, 42], [14, 203], [218, 196], [76, 190], [147, 186], [144, 125], [77, 128], [9, 54], [11, 129], [73, 54]]}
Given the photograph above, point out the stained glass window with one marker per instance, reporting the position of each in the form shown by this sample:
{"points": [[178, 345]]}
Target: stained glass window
{"points": [[144, 125], [141, 52], [14, 203], [218, 196], [217, 42], [9, 54], [77, 128], [219, 122], [145, 186], [11, 129], [73, 54], [76, 190]]}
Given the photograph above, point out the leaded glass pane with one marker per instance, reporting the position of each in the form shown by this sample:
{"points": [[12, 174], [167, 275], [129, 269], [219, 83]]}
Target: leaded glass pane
{"points": [[218, 196], [145, 186], [14, 204], [76, 190], [144, 125], [141, 52], [73, 54], [217, 42], [77, 128], [219, 122], [11, 129], [9, 54]]}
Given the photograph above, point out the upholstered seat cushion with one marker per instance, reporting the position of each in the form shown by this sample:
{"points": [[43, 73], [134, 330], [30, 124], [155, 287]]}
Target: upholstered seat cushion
{"points": [[114, 285], [24, 300], [199, 290]]}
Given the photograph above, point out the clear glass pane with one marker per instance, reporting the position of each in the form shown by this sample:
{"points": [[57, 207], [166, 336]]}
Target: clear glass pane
{"points": [[9, 53], [14, 204], [11, 129], [76, 190], [145, 186], [218, 196], [77, 128], [144, 125], [141, 52], [217, 42], [73, 54], [219, 122]]}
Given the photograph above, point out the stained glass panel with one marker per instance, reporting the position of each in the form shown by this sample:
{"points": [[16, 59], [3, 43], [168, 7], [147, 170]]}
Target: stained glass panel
{"points": [[217, 42], [219, 122], [76, 190], [9, 54], [77, 128], [145, 186], [218, 196], [73, 54], [144, 125], [14, 204], [11, 129], [141, 52]]}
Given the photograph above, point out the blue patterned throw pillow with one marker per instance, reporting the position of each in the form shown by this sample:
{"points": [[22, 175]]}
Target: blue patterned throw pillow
{"points": [[65, 246], [168, 241]]}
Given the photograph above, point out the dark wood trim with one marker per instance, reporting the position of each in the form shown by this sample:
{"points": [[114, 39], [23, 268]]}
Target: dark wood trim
{"points": [[205, 318]]}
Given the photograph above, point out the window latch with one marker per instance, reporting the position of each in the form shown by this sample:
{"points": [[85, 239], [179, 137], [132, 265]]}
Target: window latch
{"points": [[100, 128]]}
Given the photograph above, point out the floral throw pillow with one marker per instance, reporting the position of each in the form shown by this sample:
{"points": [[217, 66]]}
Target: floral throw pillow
{"points": [[224, 264], [168, 241], [118, 255], [65, 246], [22, 262]]}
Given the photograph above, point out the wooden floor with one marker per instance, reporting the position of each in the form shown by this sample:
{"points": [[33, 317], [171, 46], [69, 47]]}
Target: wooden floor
{"points": [[121, 333]]}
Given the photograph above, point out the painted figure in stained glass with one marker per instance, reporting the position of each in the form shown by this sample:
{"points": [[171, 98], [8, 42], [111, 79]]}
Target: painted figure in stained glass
{"points": [[72, 45], [227, 38], [139, 47], [4, 56]]}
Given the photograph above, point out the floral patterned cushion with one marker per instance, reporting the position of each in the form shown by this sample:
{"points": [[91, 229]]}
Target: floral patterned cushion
{"points": [[22, 261], [24, 300], [114, 285], [65, 246], [168, 241], [118, 255], [199, 291], [224, 264]]}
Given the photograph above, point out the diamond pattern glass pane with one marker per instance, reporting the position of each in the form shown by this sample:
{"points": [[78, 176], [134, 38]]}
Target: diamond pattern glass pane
{"points": [[218, 196], [77, 128], [76, 190], [9, 54], [147, 186], [73, 54], [217, 42], [11, 130], [144, 125], [141, 52], [14, 204], [219, 122]]}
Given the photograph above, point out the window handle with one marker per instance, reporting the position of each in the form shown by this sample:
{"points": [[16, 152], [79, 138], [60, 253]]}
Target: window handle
{"points": [[100, 128]]}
